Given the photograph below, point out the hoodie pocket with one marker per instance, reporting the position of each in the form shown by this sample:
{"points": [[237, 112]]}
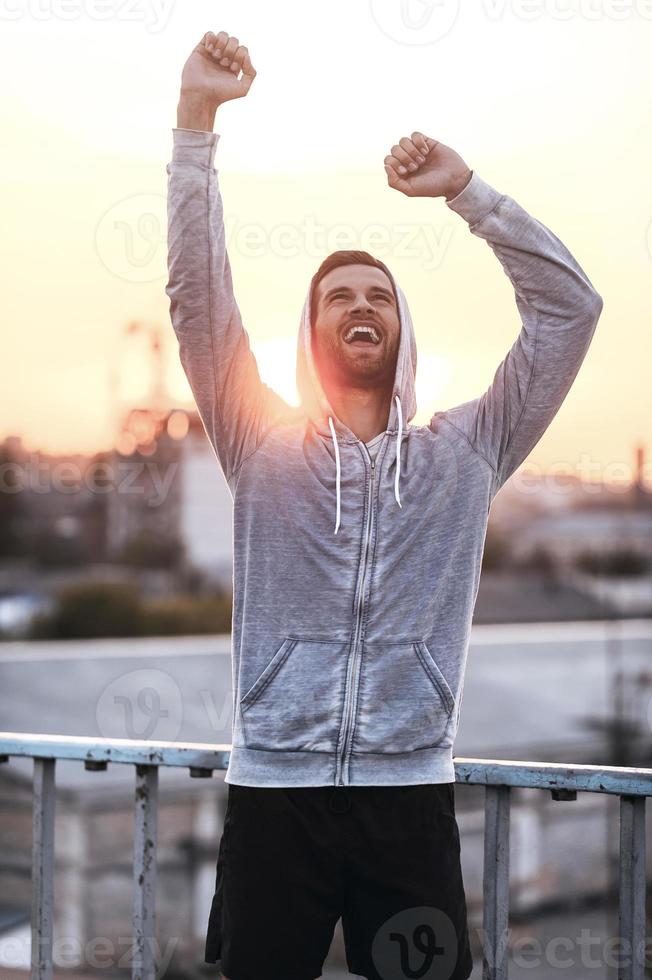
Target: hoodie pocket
{"points": [[296, 702], [404, 700]]}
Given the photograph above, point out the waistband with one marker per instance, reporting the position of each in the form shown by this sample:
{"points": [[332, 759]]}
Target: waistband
{"points": [[259, 767]]}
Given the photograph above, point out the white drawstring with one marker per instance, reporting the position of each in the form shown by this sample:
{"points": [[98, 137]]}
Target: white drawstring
{"points": [[338, 467], [337, 473], [398, 450]]}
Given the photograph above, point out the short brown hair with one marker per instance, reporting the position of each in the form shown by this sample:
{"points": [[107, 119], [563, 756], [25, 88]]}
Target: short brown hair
{"points": [[345, 257]]}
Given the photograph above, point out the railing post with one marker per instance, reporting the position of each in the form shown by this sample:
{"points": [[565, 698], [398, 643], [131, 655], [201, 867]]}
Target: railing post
{"points": [[42, 868], [144, 916], [631, 909], [495, 914]]}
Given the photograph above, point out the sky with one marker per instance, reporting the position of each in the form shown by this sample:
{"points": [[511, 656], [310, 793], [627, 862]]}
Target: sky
{"points": [[548, 100]]}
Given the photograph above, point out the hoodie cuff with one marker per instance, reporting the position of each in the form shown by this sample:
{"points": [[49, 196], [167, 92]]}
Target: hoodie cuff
{"points": [[476, 200], [194, 146]]}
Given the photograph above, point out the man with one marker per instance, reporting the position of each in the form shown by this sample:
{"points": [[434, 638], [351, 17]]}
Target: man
{"points": [[358, 541]]}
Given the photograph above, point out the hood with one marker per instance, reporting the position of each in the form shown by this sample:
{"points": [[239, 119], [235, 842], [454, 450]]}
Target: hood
{"points": [[317, 407]]}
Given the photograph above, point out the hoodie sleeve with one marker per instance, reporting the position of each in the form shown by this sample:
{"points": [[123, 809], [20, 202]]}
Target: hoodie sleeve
{"points": [[559, 310], [235, 406]]}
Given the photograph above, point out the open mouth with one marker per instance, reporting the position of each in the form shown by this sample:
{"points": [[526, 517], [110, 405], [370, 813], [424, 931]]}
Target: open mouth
{"points": [[365, 333]]}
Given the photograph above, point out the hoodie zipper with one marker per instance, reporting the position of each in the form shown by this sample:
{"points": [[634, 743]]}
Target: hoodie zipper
{"points": [[348, 706]]}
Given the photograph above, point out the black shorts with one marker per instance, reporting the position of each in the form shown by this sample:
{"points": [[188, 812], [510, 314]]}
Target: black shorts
{"points": [[386, 859]]}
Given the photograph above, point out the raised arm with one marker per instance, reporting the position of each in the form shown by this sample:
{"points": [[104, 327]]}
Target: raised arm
{"points": [[559, 307], [235, 406]]}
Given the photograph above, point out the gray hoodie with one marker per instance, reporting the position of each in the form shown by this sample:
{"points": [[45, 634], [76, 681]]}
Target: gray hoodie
{"points": [[355, 579]]}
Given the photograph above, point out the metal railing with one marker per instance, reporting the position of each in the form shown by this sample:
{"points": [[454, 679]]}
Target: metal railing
{"points": [[498, 778]]}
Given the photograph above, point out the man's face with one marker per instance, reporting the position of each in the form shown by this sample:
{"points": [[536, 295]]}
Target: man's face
{"points": [[348, 297]]}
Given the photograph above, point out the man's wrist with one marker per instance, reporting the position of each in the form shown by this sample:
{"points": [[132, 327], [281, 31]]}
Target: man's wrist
{"points": [[195, 111], [458, 184]]}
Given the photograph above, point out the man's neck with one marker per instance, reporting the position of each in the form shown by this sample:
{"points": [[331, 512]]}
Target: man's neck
{"points": [[365, 411]]}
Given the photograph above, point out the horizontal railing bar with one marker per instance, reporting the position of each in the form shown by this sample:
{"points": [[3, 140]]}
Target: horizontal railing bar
{"points": [[616, 780], [199, 755]]}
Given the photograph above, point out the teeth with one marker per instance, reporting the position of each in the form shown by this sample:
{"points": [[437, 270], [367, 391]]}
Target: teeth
{"points": [[361, 328]]}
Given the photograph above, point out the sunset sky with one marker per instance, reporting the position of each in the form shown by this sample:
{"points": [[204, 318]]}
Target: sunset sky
{"points": [[550, 103]]}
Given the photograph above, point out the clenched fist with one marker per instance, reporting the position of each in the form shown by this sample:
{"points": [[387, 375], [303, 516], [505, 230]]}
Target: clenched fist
{"points": [[423, 167], [219, 69]]}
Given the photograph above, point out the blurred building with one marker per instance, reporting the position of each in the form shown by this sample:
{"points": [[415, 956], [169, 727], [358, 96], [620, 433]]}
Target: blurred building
{"points": [[144, 500], [177, 491], [567, 516], [599, 529], [158, 499], [206, 506]]}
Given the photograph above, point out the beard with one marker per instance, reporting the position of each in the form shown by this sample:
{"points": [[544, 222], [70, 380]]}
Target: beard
{"points": [[348, 366]]}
